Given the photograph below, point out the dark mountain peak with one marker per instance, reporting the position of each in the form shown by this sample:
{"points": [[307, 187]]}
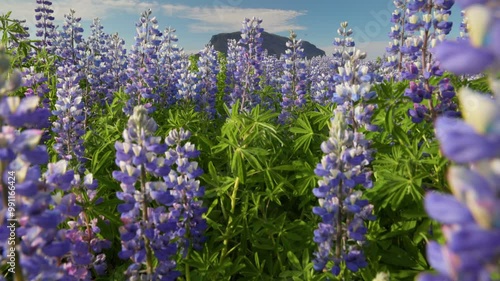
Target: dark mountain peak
{"points": [[274, 44]]}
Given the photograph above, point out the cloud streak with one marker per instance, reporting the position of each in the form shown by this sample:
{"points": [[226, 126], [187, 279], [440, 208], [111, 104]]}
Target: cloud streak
{"points": [[216, 18], [86, 9], [228, 18]]}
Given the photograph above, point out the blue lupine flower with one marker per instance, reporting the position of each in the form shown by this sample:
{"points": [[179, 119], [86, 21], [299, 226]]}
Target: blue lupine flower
{"points": [[176, 222], [44, 23], [294, 80], [482, 19], [143, 68], [342, 169], [248, 65], [41, 244], [471, 215], [208, 69]]}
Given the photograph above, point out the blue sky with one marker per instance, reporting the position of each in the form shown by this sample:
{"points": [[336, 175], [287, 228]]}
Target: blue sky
{"points": [[197, 20]]}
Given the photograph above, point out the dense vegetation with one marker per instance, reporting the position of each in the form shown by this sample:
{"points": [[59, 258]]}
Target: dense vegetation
{"points": [[150, 164]]}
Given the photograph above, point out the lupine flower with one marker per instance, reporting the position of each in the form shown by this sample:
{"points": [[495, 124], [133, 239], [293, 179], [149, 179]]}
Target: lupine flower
{"points": [[294, 79], [69, 107], [44, 24], [343, 168], [96, 66], [208, 68], [272, 70], [86, 246], [415, 63], [394, 61], [39, 244], [143, 65], [233, 51], [116, 64], [471, 215], [36, 85], [345, 42], [158, 232], [248, 66], [479, 56], [187, 191], [171, 58], [145, 231], [322, 85], [187, 85]]}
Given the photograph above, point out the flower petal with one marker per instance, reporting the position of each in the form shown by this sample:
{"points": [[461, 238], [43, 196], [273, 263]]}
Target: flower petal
{"points": [[446, 209], [462, 58]]}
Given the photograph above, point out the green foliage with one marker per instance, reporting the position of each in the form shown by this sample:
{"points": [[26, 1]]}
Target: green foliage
{"points": [[193, 60], [259, 177], [407, 164], [9, 28]]}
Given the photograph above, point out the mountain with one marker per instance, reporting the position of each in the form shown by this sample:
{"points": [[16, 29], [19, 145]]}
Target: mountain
{"points": [[274, 44]]}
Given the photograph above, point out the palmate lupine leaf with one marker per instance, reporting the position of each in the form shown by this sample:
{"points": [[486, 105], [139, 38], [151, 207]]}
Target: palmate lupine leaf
{"points": [[304, 129]]}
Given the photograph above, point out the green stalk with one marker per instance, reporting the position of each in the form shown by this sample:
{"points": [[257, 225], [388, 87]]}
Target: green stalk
{"points": [[187, 273], [230, 219]]}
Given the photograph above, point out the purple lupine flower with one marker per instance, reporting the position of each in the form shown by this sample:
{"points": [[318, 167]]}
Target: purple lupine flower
{"points": [[159, 231], [145, 231], [36, 85], [232, 58], [171, 60], [44, 24], [248, 66], [96, 66], [343, 169], [86, 246], [470, 144], [424, 24], [187, 191], [69, 126], [272, 70], [345, 42], [470, 217], [69, 107], [294, 77], [143, 68], [187, 85], [116, 63], [39, 245], [476, 51], [208, 68]]}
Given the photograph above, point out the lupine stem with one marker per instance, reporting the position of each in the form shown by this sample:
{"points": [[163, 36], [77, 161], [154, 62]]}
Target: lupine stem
{"points": [[187, 274], [230, 219]]}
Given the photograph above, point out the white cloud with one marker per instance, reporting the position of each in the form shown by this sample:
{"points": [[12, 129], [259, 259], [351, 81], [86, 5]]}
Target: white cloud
{"points": [[372, 49], [86, 9], [229, 18], [216, 18]]}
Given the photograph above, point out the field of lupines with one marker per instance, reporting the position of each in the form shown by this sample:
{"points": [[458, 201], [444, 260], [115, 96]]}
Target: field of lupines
{"points": [[149, 164]]}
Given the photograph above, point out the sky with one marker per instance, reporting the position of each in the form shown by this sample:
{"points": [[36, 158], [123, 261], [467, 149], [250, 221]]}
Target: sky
{"points": [[196, 21]]}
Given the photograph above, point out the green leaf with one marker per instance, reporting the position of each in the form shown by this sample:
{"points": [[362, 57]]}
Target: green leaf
{"points": [[397, 256], [401, 136], [237, 166], [389, 120], [293, 260]]}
